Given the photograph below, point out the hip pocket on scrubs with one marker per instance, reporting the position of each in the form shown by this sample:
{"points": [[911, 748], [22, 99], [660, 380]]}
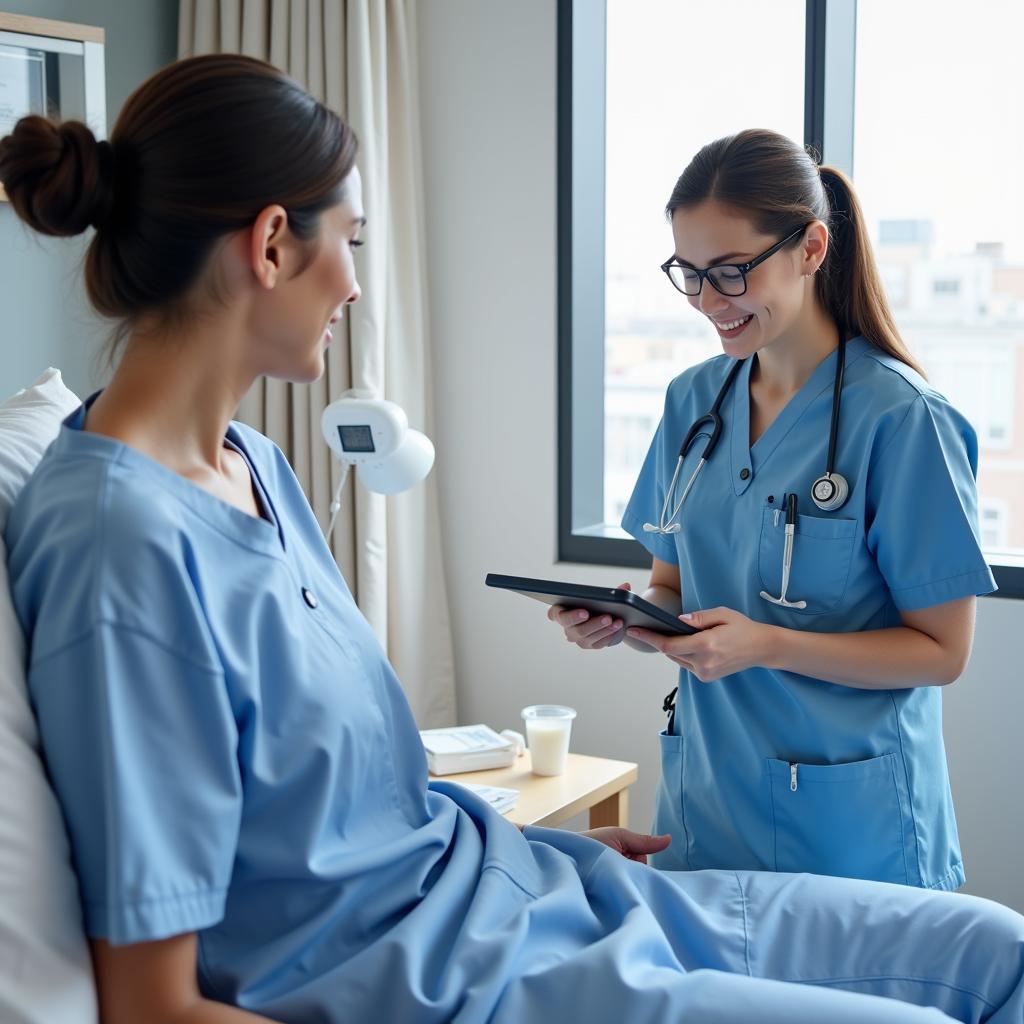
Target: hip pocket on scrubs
{"points": [[822, 555], [669, 815], [839, 819]]}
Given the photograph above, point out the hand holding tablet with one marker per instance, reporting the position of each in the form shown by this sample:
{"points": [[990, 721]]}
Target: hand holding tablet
{"points": [[616, 602]]}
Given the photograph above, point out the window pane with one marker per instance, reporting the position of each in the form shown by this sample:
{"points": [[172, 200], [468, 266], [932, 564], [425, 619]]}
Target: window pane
{"points": [[935, 164], [680, 73]]}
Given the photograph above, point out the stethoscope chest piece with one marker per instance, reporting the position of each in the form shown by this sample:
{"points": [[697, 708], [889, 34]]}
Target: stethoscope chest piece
{"points": [[829, 492]]}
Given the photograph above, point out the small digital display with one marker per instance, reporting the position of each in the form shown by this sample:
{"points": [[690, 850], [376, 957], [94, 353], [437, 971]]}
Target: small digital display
{"points": [[356, 439]]}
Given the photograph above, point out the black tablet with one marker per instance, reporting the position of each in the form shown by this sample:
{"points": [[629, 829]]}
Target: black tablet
{"points": [[621, 604]]}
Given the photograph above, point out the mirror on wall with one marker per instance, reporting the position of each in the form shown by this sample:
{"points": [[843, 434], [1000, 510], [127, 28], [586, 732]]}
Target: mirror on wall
{"points": [[52, 68]]}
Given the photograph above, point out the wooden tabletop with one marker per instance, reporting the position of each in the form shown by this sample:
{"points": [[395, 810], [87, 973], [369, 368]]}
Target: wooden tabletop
{"points": [[550, 800]]}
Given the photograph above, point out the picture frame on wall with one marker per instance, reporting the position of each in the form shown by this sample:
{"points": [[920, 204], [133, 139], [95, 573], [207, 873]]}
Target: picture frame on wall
{"points": [[51, 68]]}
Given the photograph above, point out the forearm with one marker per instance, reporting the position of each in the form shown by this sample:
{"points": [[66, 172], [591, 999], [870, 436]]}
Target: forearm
{"points": [[668, 600], [199, 1011], [155, 982], [879, 659], [665, 598], [207, 1012]]}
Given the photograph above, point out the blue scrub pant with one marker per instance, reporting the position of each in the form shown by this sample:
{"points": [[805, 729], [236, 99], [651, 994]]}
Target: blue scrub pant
{"points": [[837, 950], [793, 949]]}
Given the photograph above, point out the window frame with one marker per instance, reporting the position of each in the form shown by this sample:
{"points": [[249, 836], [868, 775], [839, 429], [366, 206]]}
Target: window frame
{"points": [[830, 67]]}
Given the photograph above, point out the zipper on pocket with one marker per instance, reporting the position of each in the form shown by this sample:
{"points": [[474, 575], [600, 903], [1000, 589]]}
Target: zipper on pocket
{"points": [[792, 776]]}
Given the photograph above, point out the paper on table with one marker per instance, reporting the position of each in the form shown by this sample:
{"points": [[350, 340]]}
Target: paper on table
{"points": [[498, 797]]}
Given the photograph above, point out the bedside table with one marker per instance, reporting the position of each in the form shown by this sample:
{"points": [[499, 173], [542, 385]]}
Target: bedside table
{"points": [[597, 784]]}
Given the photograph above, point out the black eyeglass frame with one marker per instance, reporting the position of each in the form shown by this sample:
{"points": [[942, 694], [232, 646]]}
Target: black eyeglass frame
{"points": [[742, 268]]}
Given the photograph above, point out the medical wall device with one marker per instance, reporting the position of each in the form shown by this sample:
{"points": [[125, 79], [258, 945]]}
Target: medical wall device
{"points": [[373, 435]]}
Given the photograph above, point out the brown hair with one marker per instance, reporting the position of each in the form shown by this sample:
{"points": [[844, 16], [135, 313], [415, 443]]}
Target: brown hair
{"points": [[198, 150], [779, 187]]}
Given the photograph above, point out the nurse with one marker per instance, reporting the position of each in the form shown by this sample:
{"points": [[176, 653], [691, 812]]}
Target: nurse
{"points": [[244, 788], [827, 548]]}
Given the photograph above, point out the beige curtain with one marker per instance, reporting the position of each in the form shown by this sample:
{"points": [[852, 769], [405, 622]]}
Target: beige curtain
{"points": [[358, 57]]}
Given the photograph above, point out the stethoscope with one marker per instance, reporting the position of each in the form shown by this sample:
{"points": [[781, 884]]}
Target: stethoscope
{"points": [[829, 492]]}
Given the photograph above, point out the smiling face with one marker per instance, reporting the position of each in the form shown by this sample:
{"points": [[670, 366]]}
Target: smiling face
{"points": [[307, 298], [779, 290]]}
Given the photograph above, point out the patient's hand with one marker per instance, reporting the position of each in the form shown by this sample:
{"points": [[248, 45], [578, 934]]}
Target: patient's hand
{"points": [[631, 845]]}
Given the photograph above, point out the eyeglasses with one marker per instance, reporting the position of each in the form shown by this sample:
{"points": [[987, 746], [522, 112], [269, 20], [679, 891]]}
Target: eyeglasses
{"points": [[726, 278]]}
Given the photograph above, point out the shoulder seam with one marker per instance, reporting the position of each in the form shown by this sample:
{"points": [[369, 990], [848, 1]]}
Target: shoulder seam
{"points": [[173, 496], [101, 546], [104, 621], [873, 354], [919, 397]]}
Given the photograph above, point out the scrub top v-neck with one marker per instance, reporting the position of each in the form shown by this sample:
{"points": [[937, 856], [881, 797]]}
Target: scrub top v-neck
{"points": [[772, 770]]}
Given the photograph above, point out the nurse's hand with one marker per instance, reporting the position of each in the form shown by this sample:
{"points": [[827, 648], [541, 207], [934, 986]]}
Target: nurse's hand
{"points": [[586, 631], [727, 642], [632, 845]]}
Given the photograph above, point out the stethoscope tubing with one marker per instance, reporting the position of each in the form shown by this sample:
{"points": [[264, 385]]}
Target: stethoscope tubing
{"points": [[672, 526], [713, 417]]}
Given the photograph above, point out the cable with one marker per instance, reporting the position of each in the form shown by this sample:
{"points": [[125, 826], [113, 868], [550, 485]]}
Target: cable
{"points": [[837, 398], [336, 501]]}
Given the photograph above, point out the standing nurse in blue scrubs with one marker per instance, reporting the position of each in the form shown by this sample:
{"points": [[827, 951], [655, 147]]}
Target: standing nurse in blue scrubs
{"points": [[827, 546]]}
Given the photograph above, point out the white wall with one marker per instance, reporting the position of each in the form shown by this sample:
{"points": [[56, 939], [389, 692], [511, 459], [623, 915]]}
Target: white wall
{"points": [[984, 720], [487, 76]]}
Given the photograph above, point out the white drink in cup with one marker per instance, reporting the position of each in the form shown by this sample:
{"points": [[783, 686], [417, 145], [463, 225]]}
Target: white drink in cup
{"points": [[547, 735]]}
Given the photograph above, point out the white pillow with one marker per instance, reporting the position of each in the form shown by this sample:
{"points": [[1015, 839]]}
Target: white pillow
{"points": [[46, 974]]}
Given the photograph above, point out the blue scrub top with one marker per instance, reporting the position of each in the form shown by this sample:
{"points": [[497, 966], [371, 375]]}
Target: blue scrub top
{"points": [[772, 770]]}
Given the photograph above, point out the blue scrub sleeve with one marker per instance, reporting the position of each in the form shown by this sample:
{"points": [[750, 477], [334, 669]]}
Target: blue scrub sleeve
{"points": [[648, 497], [141, 748], [922, 506]]}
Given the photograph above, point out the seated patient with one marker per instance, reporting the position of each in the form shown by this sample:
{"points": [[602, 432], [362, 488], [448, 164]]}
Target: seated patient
{"points": [[241, 777]]}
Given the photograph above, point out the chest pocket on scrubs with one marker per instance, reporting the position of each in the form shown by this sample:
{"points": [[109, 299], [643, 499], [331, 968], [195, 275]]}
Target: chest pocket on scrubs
{"points": [[822, 554], [840, 819]]}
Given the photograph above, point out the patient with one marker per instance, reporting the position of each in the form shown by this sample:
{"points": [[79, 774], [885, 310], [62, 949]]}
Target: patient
{"points": [[242, 780]]}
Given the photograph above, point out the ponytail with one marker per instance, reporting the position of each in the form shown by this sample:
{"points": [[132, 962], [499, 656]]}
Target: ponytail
{"points": [[849, 285]]}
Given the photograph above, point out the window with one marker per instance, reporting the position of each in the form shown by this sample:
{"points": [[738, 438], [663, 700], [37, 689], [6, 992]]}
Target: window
{"points": [[992, 515], [622, 146], [656, 120], [947, 165], [977, 373], [635, 104]]}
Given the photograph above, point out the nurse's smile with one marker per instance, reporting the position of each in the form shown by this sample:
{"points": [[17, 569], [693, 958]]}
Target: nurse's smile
{"points": [[731, 328]]}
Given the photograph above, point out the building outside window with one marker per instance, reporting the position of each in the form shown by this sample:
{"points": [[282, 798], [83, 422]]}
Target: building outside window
{"points": [[948, 165]]}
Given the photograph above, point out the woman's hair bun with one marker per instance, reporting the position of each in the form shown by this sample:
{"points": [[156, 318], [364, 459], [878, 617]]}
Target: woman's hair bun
{"points": [[58, 177], [196, 152]]}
